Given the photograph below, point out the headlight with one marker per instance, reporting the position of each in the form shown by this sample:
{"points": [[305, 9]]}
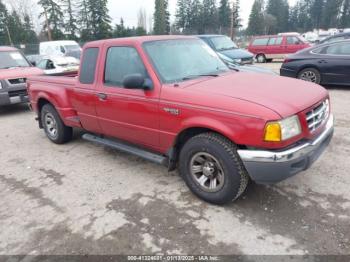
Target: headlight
{"points": [[237, 60], [282, 130]]}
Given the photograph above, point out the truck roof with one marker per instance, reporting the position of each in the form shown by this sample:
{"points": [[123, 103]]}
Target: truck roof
{"points": [[7, 48], [139, 39]]}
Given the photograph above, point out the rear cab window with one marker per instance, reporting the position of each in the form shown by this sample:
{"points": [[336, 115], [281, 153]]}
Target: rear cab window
{"points": [[88, 65]]}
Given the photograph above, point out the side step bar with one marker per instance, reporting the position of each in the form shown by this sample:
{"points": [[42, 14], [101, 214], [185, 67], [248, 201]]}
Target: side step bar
{"points": [[155, 158]]}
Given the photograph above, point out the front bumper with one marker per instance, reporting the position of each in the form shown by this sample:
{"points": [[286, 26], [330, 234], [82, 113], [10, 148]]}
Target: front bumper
{"points": [[288, 72], [271, 167], [7, 98]]}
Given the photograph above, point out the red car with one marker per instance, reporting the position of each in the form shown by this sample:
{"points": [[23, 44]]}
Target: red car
{"points": [[267, 48], [171, 100], [14, 70]]}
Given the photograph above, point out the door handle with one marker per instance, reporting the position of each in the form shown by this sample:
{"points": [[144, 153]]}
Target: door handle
{"points": [[322, 62], [102, 96]]}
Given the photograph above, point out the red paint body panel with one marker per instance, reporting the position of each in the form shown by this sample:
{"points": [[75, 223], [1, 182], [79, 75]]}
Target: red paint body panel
{"points": [[237, 105]]}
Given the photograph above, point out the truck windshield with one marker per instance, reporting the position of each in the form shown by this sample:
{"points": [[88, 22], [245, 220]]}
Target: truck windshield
{"points": [[184, 59], [222, 43], [12, 59]]}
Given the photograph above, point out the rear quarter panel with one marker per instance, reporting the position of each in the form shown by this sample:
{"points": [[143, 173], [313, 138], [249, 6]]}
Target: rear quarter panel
{"points": [[57, 91]]}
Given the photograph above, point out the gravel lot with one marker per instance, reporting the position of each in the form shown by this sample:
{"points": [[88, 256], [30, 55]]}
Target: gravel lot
{"points": [[81, 198]]}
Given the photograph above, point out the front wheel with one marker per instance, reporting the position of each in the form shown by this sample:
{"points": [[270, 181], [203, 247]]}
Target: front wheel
{"points": [[54, 127], [310, 75], [261, 58], [212, 169]]}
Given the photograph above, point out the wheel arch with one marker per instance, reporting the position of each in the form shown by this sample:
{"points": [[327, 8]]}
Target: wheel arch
{"points": [[42, 101], [191, 131]]}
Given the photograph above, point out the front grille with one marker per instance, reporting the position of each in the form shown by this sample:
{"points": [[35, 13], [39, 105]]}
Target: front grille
{"points": [[17, 81], [18, 93], [317, 116]]}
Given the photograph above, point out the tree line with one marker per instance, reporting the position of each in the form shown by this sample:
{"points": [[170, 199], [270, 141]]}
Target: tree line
{"points": [[87, 20], [276, 16]]}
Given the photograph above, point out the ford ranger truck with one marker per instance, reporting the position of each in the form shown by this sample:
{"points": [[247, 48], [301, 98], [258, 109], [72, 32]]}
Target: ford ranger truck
{"points": [[14, 70], [171, 100]]}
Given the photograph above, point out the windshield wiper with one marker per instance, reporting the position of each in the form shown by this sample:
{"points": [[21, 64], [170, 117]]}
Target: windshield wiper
{"points": [[196, 76]]}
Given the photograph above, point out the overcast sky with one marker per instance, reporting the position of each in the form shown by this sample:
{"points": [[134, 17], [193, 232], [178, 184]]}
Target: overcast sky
{"points": [[128, 9]]}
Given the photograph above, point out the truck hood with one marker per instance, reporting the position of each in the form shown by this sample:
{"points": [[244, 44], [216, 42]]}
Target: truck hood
{"points": [[284, 96], [20, 72]]}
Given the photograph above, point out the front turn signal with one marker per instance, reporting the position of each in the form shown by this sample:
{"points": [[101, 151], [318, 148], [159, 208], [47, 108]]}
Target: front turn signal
{"points": [[273, 132]]}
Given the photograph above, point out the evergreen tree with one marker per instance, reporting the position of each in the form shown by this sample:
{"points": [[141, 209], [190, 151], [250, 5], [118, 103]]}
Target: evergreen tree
{"points": [[330, 13], [70, 25], [30, 35], [256, 19], [16, 28], [161, 24], [316, 12], [3, 24], [100, 20], [224, 15], [279, 9], [235, 19], [55, 17], [209, 16], [195, 17], [84, 20], [181, 14], [345, 15]]}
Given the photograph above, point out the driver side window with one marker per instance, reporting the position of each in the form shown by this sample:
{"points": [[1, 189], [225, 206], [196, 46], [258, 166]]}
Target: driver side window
{"points": [[121, 62]]}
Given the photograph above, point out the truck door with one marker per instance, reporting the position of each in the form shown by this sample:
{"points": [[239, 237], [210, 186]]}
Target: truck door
{"points": [[128, 114], [84, 96]]}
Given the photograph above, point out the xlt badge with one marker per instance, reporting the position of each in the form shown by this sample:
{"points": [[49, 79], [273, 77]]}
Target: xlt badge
{"points": [[172, 111]]}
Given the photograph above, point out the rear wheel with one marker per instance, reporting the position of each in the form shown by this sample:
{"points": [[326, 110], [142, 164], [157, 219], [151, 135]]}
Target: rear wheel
{"points": [[261, 58], [212, 169], [310, 75], [54, 127]]}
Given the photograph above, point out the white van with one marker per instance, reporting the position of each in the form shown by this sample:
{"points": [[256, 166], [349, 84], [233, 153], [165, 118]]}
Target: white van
{"points": [[61, 48]]}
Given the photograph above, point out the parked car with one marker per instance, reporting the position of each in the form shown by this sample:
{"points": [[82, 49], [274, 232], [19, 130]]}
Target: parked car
{"points": [[245, 68], [267, 48], [62, 48], [237, 66], [322, 35], [226, 47], [14, 70], [335, 38], [34, 59], [58, 65], [176, 103], [322, 64]]}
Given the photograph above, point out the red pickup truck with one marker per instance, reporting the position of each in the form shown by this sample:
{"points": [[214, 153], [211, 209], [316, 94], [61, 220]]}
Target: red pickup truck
{"points": [[171, 100]]}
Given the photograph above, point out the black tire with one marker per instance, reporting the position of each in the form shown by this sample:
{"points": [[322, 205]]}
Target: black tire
{"points": [[310, 75], [261, 58], [51, 120], [224, 151]]}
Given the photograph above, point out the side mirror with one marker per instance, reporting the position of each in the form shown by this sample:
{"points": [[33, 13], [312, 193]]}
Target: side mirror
{"points": [[137, 81], [33, 63]]}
